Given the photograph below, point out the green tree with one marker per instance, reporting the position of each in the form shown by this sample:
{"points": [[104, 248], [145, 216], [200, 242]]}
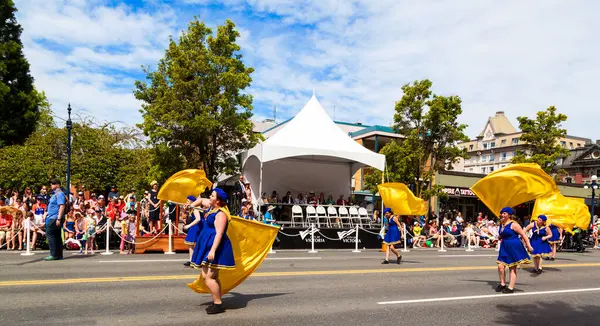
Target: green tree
{"points": [[542, 136], [430, 126], [19, 101], [194, 108]]}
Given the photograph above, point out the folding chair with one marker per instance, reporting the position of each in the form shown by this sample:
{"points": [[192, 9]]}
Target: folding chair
{"points": [[354, 217], [311, 215], [333, 216], [364, 217], [297, 215], [322, 215], [343, 214]]}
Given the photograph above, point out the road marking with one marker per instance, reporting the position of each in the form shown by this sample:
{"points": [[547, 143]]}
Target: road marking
{"points": [[451, 256], [184, 260], [489, 296], [269, 274]]}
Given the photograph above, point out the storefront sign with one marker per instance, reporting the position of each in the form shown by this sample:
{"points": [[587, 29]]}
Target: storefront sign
{"points": [[327, 239], [458, 192]]}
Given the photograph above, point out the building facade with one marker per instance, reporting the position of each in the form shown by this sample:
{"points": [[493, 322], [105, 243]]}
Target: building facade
{"points": [[581, 164], [498, 143]]}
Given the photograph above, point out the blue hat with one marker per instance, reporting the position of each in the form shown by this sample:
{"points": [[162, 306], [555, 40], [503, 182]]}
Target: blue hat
{"points": [[221, 194], [191, 198], [543, 218], [387, 210], [508, 210]]}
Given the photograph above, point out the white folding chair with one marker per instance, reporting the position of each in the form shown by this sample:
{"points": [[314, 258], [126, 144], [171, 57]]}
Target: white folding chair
{"points": [[333, 216], [322, 215], [297, 215], [364, 217], [311, 215], [354, 217], [344, 215]]}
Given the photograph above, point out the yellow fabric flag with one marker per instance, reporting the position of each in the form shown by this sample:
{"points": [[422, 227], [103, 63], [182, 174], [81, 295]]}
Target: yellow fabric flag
{"points": [[564, 212], [401, 200], [183, 184], [251, 242], [513, 185]]}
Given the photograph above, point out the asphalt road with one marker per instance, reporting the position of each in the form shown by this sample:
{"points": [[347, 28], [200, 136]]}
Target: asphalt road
{"points": [[298, 288]]}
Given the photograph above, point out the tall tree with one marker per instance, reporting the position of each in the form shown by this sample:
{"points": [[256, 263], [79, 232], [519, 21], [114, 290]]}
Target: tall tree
{"points": [[194, 106], [542, 136], [19, 101], [430, 126]]}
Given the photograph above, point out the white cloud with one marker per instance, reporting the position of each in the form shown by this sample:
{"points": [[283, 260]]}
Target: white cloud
{"points": [[515, 56]]}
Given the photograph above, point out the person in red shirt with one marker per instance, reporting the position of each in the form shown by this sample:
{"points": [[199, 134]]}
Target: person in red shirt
{"points": [[6, 221]]}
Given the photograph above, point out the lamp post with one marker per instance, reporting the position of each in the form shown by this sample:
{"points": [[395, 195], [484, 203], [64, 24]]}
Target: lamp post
{"points": [[593, 185], [69, 128]]}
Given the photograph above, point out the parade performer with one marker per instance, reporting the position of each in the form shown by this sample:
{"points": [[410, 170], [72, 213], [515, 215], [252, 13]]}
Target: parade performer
{"points": [[193, 229], [213, 251], [541, 233], [554, 240], [511, 252], [392, 236]]}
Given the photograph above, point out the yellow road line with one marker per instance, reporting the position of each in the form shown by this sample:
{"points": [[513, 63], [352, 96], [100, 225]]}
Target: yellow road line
{"points": [[269, 274]]}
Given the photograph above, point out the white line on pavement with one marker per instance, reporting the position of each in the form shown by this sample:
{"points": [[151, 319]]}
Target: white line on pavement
{"points": [[184, 260], [450, 256], [490, 296]]}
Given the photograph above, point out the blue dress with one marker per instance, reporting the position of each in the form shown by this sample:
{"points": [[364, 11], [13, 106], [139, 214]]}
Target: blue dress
{"points": [[193, 231], [555, 234], [223, 255], [540, 247], [512, 252], [393, 234]]}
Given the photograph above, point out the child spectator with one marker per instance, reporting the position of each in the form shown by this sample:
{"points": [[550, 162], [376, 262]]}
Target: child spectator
{"points": [[90, 233], [33, 228], [17, 230]]}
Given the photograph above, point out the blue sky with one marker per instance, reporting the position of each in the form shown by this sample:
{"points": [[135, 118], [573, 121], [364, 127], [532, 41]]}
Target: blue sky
{"points": [[514, 56]]}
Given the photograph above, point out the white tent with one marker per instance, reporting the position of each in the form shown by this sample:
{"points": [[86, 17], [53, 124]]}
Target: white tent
{"points": [[309, 153]]}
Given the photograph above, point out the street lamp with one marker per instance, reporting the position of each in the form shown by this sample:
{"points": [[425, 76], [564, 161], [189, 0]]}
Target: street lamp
{"points": [[69, 128], [593, 185]]}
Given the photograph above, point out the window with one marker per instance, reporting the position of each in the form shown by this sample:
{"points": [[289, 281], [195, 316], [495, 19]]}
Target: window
{"points": [[492, 157], [578, 144], [571, 145], [502, 166], [483, 158], [470, 169], [515, 141], [470, 147], [569, 180], [491, 169], [483, 169], [493, 144], [503, 157], [503, 142], [563, 144], [485, 145]]}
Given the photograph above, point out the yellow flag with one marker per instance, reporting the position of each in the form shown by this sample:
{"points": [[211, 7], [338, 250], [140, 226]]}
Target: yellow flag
{"points": [[183, 184], [564, 212], [401, 200], [513, 185], [251, 243]]}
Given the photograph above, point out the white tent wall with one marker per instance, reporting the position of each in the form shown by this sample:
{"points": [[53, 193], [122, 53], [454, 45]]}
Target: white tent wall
{"points": [[302, 176]]}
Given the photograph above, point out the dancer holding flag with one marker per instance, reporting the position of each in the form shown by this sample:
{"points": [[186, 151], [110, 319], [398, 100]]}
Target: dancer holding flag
{"points": [[192, 227], [541, 233], [554, 240], [392, 236], [511, 252]]}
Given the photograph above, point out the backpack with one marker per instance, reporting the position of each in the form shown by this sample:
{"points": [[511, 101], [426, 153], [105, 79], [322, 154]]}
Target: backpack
{"points": [[67, 202]]}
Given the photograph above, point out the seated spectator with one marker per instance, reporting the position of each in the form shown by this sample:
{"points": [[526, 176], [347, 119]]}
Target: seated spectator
{"points": [[17, 230], [39, 211], [245, 214], [269, 219], [300, 200], [274, 197], [312, 199], [33, 228], [69, 227], [418, 238], [329, 200], [321, 200], [248, 191], [6, 221]]}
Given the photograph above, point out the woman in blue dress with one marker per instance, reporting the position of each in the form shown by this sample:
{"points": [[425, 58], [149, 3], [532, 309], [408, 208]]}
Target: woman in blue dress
{"points": [[192, 230], [539, 241], [554, 240], [392, 236], [512, 253], [213, 251]]}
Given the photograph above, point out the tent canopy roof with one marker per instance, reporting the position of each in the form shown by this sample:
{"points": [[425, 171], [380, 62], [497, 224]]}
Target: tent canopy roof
{"points": [[312, 133]]}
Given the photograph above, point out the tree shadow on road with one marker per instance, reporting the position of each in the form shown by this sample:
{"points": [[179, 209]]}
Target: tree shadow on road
{"points": [[234, 300], [548, 313]]}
